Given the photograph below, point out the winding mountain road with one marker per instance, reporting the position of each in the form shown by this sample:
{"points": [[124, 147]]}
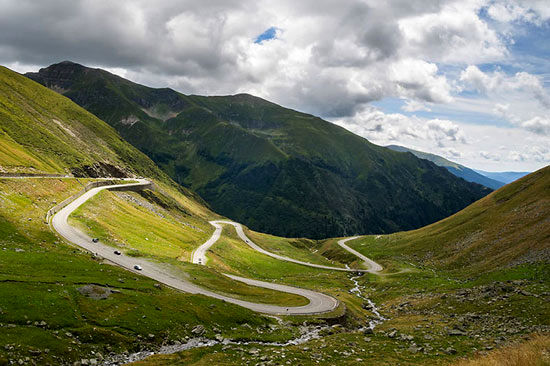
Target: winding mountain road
{"points": [[199, 255], [318, 302], [373, 266]]}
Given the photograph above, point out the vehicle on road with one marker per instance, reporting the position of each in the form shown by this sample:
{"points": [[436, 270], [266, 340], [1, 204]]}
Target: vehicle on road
{"points": [[117, 252], [95, 240], [138, 267]]}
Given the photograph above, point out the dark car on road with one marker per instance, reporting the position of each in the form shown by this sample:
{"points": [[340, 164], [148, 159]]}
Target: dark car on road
{"points": [[117, 252], [95, 240]]}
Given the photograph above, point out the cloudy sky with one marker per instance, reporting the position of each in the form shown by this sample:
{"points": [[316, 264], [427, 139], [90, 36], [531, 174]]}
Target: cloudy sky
{"points": [[465, 79]]}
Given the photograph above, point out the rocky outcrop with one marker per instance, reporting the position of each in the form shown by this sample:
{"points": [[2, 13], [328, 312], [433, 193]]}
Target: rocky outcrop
{"points": [[100, 170]]}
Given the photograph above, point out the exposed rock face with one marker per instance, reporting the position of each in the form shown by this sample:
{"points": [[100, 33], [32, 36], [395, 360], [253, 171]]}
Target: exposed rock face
{"points": [[59, 78], [98, 170], [130, 120]]}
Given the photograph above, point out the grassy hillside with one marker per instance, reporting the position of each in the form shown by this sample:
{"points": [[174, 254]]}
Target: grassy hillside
{"points": [[53, 319], [533, 352], [460, 171], [274, 169], [435, 314], [509, 227], [65, 305], [46, 314], [148, 224], [475, 281], [441, 310], [43, 132]]}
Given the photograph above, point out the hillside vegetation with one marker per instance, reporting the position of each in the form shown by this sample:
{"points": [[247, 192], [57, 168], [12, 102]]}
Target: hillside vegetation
{"points": [[60, 305], [43, 132], [274, 169], [65, 305], [533, 352], [507, 228], [146, 224], [435, 314]]}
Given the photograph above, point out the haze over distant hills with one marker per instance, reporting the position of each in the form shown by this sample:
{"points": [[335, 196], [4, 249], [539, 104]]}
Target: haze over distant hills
{"points": [[506, 177], [274, 169], [459, 170]]}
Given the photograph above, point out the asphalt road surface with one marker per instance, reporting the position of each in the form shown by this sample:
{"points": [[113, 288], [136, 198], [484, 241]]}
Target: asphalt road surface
{"points": [[318, 302], [199, 255], [373, 266]]}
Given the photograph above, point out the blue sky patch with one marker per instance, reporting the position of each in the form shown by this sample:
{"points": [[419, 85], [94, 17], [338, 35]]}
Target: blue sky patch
{"points": [[268, 34]]}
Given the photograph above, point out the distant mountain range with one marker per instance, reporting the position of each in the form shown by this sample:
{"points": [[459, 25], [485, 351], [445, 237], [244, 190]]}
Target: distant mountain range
{"points": [[274, 169], [488, 179], [506, 177]]}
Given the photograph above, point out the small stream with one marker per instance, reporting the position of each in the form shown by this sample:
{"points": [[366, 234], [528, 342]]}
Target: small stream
{"points": [[307, 333], [357, 290]]}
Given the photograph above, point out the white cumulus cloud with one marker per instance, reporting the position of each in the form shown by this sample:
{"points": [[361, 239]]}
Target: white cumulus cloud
{"points": [[538, 125], [330, 58]]}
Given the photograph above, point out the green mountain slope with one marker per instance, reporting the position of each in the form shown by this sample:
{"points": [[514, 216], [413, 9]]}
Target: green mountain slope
{"points": [[60, 305], [507, 228], [43, 132], [274, 169], [459, 170]]}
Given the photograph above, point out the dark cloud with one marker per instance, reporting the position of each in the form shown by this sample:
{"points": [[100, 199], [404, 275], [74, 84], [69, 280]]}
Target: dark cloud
{"points": [[330, 58], [385, 39], [134, 35]]}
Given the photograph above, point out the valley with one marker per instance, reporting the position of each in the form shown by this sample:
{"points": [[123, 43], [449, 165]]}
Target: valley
{"points": [[215, 291], [318, 303], [273, 169], [415, 299]]}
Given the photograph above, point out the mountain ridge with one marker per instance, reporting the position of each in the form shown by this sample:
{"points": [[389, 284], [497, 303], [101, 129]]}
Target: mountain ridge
{"points": [[506, 177], [461, 171], [55, 140], [469, 281], [272, 168], [43, 133]]}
